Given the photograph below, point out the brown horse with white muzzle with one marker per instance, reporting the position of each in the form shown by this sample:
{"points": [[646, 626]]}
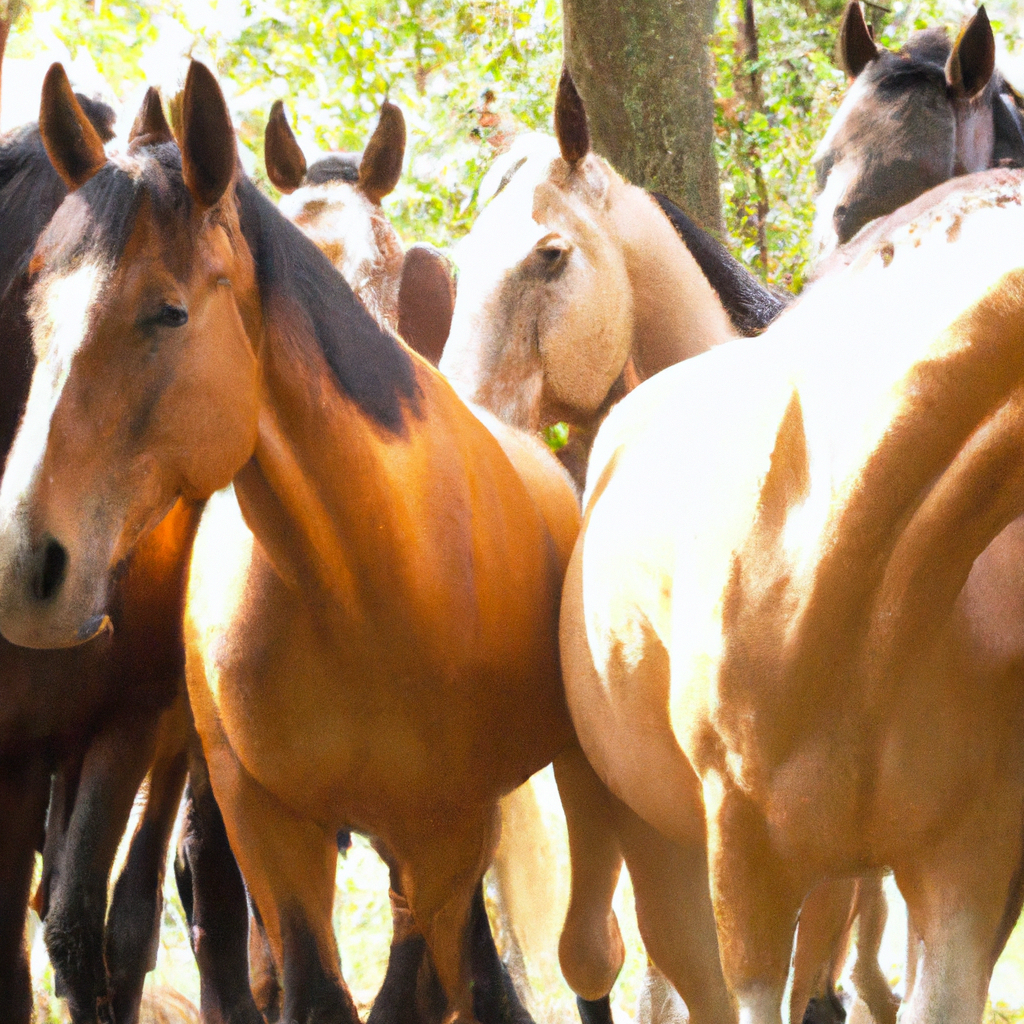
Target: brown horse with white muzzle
{"points": [[798, 582], [380, 652]]}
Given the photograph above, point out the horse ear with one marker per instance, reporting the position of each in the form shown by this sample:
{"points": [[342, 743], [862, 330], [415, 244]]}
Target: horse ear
{"points": [[973, 59], [208, 153], [856, 46], [570, 120], [73, 145], [426, 301], [286, 166], [150, 126], [381, 164]]}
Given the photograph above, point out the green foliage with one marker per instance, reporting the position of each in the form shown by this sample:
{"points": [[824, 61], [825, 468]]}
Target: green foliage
{"points": [[801, 88], [334, 64]]}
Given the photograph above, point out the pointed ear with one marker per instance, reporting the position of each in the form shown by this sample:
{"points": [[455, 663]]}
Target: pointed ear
{"points": [[381, 164], [570, 120], [150, 127], [856, 46], [72, 143], [208, 152], [973, 59], [286, 166], [426, 301]]}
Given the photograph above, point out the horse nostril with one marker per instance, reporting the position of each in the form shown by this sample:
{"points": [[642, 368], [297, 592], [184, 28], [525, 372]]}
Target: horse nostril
{"points": [[51, 570]]}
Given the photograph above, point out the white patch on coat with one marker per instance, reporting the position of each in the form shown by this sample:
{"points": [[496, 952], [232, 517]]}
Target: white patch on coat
{"points": [[59, 311]]}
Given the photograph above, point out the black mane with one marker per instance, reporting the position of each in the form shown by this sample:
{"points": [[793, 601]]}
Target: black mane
{"points": [[367, 363], [30, 188], [750, 305]]}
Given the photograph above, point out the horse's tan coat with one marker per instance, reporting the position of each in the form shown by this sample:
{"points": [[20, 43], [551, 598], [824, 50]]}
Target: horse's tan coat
{"points": [[795, 576]]}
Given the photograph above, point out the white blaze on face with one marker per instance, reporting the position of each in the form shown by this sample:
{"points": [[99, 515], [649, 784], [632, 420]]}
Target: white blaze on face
{"points": [[823, 234], [504, 234], [59, 312]]}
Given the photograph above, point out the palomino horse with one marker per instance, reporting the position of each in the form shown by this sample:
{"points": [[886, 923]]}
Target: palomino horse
{"points": [[910, 120], [380, 652], [100, 716], [797, 592], [588, 244], [336, 201]]}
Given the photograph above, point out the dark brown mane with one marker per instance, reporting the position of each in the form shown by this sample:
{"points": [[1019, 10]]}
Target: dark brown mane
{"points": [[368, 364], [751, 306], [30, 188]]}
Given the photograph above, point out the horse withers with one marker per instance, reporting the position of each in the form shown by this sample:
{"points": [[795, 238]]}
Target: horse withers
{"points": [[380, 652]]}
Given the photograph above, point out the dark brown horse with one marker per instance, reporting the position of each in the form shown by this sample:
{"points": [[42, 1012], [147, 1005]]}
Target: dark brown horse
{"points": [[100, 717], [404, 567], [910, 120]]}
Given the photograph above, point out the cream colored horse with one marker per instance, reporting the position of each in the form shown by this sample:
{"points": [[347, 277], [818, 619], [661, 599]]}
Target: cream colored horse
{"points": [[796, 600]]}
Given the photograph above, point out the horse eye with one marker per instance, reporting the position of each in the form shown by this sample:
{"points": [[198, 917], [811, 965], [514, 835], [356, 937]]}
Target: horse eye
{"points": [[171, 316], [552, 257]]}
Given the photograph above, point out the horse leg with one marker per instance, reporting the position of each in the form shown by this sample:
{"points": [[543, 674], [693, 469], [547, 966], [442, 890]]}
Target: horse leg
{"points": [[674, 912], [872, 911], [822, 942], [964, 896], [115, 765], [63, 789], [289, 864], [590, 951], [263, 976], [658, 1001], [133, 923], [213, 895], [441, 873], [24, 789], [398, 1000], [757, 901]]}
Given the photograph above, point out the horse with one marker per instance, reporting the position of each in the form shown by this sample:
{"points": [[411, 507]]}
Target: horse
{"points": [[404, 564], [125, 716], [911, 120], [337, 202], [588, 245], [797, 576]]}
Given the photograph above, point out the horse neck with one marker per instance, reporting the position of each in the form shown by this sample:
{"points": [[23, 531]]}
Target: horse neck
{"points": [[676, 312]]}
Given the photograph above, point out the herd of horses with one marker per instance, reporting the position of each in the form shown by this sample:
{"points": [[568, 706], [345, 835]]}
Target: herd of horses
{"points": [[777, 654]]}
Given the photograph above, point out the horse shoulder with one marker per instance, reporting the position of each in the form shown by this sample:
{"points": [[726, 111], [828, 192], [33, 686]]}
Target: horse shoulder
{"points": [[544, 478]]}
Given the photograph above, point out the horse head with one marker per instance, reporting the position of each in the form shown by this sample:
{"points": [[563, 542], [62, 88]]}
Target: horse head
{"points": [[910, 120], [336, 202], [144, 314]]}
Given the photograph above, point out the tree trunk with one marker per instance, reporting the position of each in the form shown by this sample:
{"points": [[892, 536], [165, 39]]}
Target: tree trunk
{"points": [[644, 71]]}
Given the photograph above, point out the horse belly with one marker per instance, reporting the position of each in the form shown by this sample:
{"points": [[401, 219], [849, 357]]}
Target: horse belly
{"points": [[349, 728]]}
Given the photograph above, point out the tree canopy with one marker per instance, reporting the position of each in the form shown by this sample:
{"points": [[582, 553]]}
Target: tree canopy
{"points": [[467, 73]]}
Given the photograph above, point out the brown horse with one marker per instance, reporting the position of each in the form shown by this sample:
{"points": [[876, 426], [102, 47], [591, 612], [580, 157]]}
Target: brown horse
{"points": [[911, 120], [797, 585], [380, 652], [336, 201], [532, 316], [101, 716]]}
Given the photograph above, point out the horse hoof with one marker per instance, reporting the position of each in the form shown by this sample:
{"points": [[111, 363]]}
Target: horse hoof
{"points": [[594, 1011], [827, 1009]]}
